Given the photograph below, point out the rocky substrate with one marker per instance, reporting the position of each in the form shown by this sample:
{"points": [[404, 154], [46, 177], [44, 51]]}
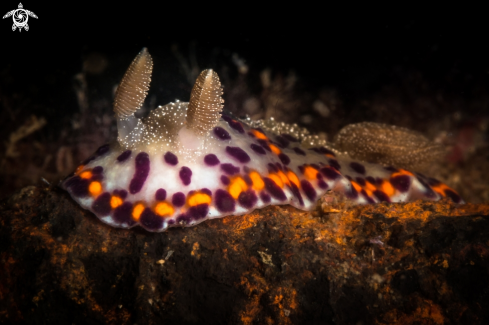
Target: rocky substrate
{"points": [[421, 262]]}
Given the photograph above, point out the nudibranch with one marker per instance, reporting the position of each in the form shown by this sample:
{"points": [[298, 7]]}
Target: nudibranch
{"points": [[189, 162]]}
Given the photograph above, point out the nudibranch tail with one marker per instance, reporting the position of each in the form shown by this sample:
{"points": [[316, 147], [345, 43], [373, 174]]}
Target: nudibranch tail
{"points": [[185, 162], [134, 86], [206, 103]]}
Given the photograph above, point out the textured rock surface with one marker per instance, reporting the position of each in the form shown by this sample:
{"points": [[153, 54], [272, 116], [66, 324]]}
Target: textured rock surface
{"points": [[421, 262]]}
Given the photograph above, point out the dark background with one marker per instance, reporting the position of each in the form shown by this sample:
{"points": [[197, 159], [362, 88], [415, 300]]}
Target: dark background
{"points": [[426, 69]]}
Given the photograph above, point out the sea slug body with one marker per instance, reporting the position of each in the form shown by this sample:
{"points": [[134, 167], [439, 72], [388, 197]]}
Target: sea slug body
{"points": [[189, 162]]}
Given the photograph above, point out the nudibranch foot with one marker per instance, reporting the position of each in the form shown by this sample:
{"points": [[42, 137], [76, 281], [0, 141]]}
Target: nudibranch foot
{"points": [[189, 162]]}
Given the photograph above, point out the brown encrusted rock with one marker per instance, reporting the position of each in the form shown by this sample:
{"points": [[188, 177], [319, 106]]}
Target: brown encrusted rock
{"points": [[421, 262]]}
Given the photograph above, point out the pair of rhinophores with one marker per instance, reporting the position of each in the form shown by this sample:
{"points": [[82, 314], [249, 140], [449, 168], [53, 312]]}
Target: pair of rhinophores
{"points": [[188, 162]]}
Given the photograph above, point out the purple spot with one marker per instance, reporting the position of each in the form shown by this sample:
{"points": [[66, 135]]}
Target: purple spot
{"points": [[97, 170], [224, 201], [360, 181], [365, 195], [279, 166], [265, 197], [198, 212], [289, 137], [274, 190], [171, 222], [299, 151], [102, 204], [142, 171], [283, 142], [221, 133], [247, 199], [78, 186], [248, 180], [160, 195], [381, 196], [301, 169], [211, 159], [225, 180], [372, 180], [97, 177], [391, 169], [206, 191], [246, 169], [296, 192], [401, 183], [238, 153], [150, 220], [123, 213], [429, 191], [120, 193], [330, 173], [170, 158], [229, 169], [264, 144], [308, 190], [322, 185], [102, 150], [352, 194], [433, 181], [359, 168], [185, 175], [258, 149], [284, 158], [452, 195], [272, 168], [123, 156], [183, 219], [348, 177], [178, 199], [251, 135], [334, 163], [233, 124]]}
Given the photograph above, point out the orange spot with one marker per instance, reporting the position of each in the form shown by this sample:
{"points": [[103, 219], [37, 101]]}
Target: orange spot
{"points": [[293, 178], [115, 201], [310, 172], [137, 210], [356, 186], [95, 188], [370, 186], [259, 135], [86, 174], [236, 186], [198, 198], [258, 183], [276, 179], [402, 172], [330, 156], [274, 149], [79, 169], [163, 209], [387, 188], [440, 189], [284, 178]]}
